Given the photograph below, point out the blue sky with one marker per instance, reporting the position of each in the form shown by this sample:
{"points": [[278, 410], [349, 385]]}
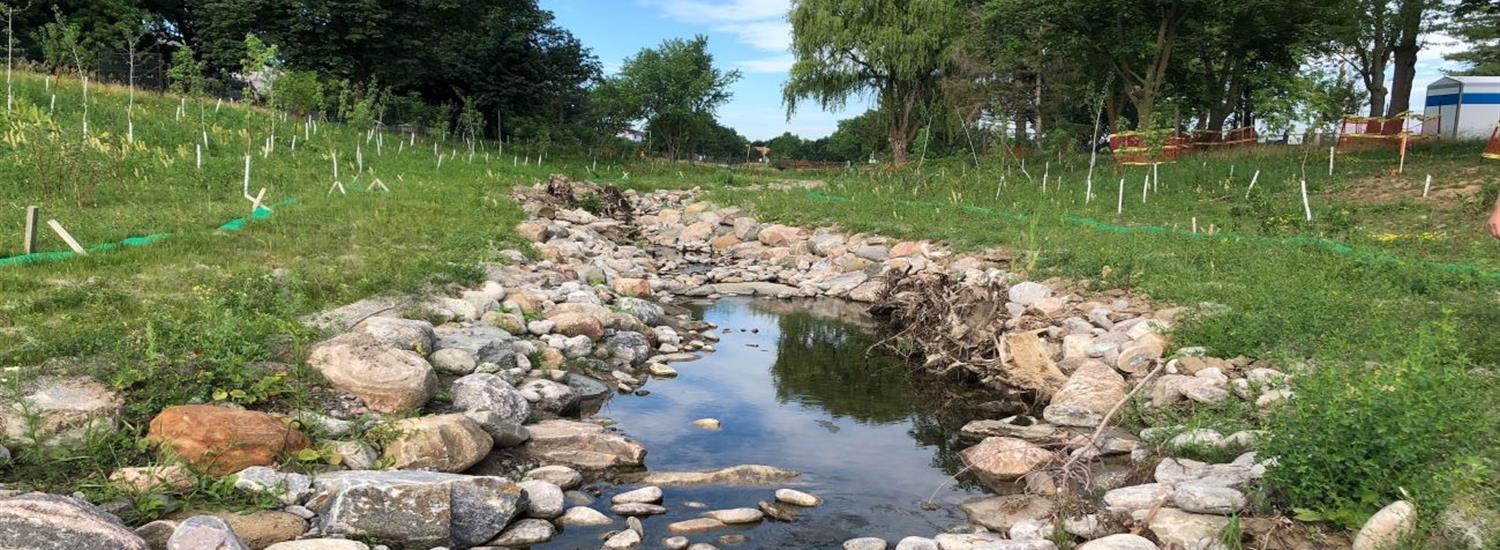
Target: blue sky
{"points": [[750, 35], [753, 36]]}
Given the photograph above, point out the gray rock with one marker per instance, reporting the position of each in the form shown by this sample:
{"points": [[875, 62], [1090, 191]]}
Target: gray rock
{"points": [[58, 412], [1207, 499], [289, 488], [865, 543], [1003, 512], [584, 516], [561, 476], [587, 388], [319, 544], [637, 509], [969, 541], [675, 543], [798, 498], [1089, 394], [407, 334], [455, 360], [543, 500], [1137, 497], [52, 522], [744, 474], [1123, 541], [1027, 293], [733, 516], [645, 311], [487, 392], [1388, 527], [526, 532], [505, 432], [623, 540], [583, 446], [555, 398], [488, 342], [627, 349], [204, 533], [415, 508], [1185, 530], [641, 495]]}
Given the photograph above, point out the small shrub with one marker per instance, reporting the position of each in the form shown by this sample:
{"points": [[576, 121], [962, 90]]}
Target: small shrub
{"points": [[1356, 437]]}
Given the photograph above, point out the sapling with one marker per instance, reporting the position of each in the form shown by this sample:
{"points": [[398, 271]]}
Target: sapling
{"points": [[10, 18]]}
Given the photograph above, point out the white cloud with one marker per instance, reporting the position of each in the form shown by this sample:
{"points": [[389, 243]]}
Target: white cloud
{"points": [[770, 35], [777, 65], [730, 11]]}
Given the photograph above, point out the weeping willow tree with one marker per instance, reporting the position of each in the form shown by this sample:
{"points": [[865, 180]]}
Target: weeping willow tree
{"points": [[896, 50]]}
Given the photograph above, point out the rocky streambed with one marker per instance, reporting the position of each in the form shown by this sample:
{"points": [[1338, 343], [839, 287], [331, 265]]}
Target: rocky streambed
{"points": [[539, 408]]}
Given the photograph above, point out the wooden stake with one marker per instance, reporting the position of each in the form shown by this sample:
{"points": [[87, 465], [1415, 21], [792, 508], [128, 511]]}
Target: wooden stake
{"points": [[1401, 168], [1330, 159], [1427, 186], [198, 154], [247, 176], [1145, 186], [28, 243], [1253, 179], [67, 238], [256, 200]]}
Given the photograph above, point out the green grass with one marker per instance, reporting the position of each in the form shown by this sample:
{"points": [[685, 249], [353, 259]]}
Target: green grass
{"points": [[207, 314]]}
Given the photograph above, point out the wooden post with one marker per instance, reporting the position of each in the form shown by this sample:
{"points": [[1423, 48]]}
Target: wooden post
{"points": [[28, 245], [1427, 186], [67, 238], [1253, 179], [1330, 159], [1401, 168]]}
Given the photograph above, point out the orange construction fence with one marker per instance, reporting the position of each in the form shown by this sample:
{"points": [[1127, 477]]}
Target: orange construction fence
{"points": [[1133, 149], [1362, 132], [1492, 149]]}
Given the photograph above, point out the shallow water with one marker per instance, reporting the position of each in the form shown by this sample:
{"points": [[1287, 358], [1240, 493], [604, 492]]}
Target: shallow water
{"points": [[796, 390]]}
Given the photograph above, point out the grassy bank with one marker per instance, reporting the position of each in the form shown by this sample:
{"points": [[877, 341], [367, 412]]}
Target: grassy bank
{"points": [[207, 314]]}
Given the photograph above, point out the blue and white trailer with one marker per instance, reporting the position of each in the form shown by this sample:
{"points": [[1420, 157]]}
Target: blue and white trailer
{"points": [[1462, 107]]}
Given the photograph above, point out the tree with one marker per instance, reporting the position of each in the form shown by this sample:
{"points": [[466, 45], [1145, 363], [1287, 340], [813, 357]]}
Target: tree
{"points": [[1414, 19], [185, 76], [1366, 41], [1477, 24], [897, 50], [673, 87]]}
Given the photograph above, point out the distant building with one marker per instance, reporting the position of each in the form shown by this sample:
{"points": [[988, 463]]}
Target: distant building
{"points": [[1462, 106]]}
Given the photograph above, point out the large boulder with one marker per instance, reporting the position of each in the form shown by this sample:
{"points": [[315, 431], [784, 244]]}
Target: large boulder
{"points": [[415, 509], [443, 443], [578, 324], [409, 334], [582, 446], [627, 349], [781, 235], [41, 521], [1087, 396], [1000, 460], [388, 379], [1181, 529], [263, 528], [59, 412], [488, 392], [223, 441]]}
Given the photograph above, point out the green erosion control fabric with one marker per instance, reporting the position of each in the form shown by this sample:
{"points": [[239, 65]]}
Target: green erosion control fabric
{"points": [[1313, 242], [131, 242]]}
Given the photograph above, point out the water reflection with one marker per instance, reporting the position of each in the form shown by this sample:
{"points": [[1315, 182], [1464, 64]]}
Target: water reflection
{"points": [[794, 387]]}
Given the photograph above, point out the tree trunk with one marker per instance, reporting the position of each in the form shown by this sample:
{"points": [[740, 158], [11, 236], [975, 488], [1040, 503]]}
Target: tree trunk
{"points": [[1375, 83], [1405, 58], [1021, 128], [899, 143]]}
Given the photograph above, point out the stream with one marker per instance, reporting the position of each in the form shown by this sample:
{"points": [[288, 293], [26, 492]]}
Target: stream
{"points": [[793, 387]]}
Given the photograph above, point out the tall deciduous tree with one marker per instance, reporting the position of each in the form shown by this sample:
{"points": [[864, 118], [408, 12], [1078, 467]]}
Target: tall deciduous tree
{"points": [[1414, 19], [674, 87], [896, 50], [1366, 40]]}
